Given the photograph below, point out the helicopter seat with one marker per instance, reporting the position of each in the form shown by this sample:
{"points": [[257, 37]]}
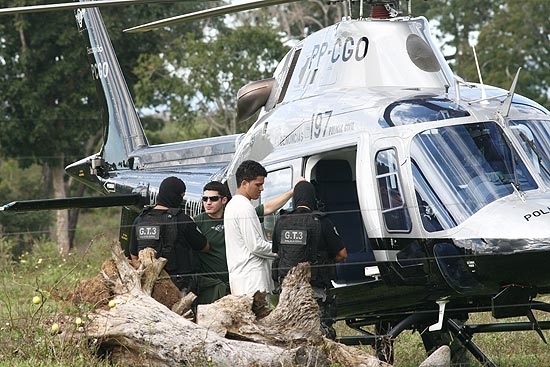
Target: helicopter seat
{"points": [[337, 193]]}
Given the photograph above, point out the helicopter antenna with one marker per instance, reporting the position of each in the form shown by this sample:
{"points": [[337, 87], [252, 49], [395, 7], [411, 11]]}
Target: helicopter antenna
{"points": [[505, 110], [483, 92]]}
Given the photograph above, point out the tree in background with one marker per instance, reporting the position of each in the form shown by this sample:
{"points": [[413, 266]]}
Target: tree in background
{"points": [[459, 22], [507, 34], [17, 232], [198, 77], [300, 19], [47, 116], [517, 36]]}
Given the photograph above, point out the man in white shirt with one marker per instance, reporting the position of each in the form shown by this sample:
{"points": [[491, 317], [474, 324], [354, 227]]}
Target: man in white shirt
{"points": [[249, 255]]}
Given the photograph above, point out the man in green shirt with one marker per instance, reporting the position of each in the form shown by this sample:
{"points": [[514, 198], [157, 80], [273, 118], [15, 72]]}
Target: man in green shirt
{"points": [[214, 282]]}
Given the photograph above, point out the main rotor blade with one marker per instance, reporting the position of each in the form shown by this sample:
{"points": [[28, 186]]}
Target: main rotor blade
{"points": [[222, 10], [78, 5]]}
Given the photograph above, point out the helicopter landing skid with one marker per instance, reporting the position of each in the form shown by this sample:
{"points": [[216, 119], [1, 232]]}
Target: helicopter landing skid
{"points": [[382, 339], [465, 333]]}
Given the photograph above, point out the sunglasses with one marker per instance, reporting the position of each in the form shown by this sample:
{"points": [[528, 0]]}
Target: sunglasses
{"points": [[211, 198]]}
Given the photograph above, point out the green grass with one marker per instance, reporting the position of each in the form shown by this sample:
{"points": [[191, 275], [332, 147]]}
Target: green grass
{"points": [[26, 338]]}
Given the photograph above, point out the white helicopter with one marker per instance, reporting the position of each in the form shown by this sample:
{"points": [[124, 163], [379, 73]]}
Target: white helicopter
{"points": [[439, 188]]}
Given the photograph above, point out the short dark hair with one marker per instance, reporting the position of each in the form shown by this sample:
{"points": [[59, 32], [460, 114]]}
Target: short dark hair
{"points": [[218, 186], [248, 171]]}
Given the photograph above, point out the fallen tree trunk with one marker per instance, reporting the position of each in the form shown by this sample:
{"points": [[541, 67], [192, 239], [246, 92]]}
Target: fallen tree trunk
{"points": [[138, 329]]}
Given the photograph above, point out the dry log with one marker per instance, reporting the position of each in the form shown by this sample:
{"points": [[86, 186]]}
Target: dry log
{"points": [[295, 321], [440, 358], [233, 331]]}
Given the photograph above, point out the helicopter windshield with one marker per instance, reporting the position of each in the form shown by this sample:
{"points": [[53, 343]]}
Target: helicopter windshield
{"points": [[534, 136], [460, 169]]}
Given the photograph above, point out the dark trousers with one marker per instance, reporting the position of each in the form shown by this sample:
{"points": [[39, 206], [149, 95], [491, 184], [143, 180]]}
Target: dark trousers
{"points": [[327, 311]]}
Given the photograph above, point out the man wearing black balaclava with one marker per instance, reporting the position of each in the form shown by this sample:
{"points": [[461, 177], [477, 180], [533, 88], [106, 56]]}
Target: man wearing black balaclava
{"points": [[305, 234], [171, 192], [172, 233]]}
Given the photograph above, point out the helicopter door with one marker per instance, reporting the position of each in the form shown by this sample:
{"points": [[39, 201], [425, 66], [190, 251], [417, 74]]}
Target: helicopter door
{"points": [[337, 193], [406, 253]]}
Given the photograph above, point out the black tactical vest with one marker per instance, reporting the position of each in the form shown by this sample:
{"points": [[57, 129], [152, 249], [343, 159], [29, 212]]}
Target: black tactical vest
{"points": [[159, 230], [301, 240]]}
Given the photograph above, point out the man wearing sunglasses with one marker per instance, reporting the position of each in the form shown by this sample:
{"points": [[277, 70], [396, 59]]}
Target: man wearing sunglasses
{"points": [[213, 264]]}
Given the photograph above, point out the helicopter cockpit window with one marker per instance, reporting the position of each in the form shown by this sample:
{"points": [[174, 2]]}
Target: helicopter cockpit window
{"points": [[419, 110], [528, 108], [534, 136], [394, 210], [277, 183], [434, 215], [466, 167]]}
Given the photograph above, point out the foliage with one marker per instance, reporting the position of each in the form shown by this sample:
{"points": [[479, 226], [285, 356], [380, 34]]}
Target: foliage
{"points": [[231, 57], [40, 93], [507, 34], [518, 37], [25, 328], [300, 19], [129, 46], [17, 230]]}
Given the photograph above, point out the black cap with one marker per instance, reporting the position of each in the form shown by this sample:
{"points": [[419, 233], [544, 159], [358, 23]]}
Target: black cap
{"points": [[170, 192]]}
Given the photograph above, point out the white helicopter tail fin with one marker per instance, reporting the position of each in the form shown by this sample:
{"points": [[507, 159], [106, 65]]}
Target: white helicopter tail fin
{"points": [[123, 131]]}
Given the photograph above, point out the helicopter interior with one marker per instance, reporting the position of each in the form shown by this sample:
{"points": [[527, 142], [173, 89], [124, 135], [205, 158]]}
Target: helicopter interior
{"points": [[337, 193]]}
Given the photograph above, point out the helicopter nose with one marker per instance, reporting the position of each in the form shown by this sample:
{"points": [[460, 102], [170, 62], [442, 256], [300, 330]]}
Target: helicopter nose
{"points": [[512, 217], [508, 242]]}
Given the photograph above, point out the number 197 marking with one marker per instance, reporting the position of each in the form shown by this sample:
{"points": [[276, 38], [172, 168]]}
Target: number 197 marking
{"points": [[319, 123]]}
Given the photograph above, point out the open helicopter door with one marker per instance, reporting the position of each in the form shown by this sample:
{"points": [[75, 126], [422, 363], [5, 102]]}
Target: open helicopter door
{"points": [[333, 175]]}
